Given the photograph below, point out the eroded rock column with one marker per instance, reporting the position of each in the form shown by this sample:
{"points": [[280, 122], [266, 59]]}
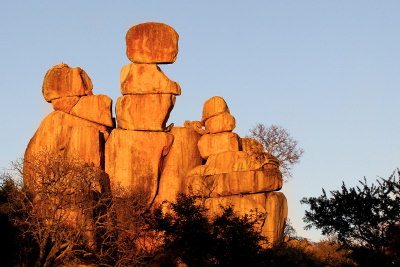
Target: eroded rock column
{"points": [[135, 151], [67, 151], [80, 123], [237, 172]]}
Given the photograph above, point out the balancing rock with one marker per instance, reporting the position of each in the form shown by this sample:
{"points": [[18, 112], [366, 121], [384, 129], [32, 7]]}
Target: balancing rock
{"points": [[152, 43], [223, 122], [96, 108], [212, 107], [216, 143], [61, 81], [144, 112], [139, 79]]}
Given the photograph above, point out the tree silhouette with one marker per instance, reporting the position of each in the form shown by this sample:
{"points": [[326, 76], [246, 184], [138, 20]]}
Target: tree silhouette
{"points": [[277, 141], [364, 217]]}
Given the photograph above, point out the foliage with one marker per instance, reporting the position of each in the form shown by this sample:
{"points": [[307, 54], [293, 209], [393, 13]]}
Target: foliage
{"points": [[67, 215], [289, 231], [225, 240], [9, 233], [363, 218], [331, 253], [277, 141], [305, 253]]}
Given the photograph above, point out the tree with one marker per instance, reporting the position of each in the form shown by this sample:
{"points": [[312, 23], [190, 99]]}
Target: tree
{"points": [[364, 218], [289, 231], [188, 233], [277, 141], [67, 214], [331, 253]]}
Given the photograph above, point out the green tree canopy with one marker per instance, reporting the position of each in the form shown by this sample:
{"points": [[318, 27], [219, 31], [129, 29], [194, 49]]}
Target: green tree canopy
{"points": [[365, 216]]}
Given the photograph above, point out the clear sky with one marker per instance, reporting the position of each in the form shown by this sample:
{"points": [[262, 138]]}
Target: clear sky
{"points": [[328, 71]]}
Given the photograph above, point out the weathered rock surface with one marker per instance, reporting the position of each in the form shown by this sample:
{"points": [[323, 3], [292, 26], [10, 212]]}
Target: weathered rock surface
{"points": [[197, 126], [61, 81], [273, 204], [182, 157], [65, 135], [144, 112], [241, 204], [134, 160], [146, 79], [223, 122], [95, 108], [198, 171], [152, 43], [276, 210], [238, 161], [89, 149], [252, 145], [49, 135], [212, 107], [65, 104], [216, 143], [235, 183]]}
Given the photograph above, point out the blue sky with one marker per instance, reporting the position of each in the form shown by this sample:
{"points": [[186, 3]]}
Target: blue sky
{"points": [[328, 71]]}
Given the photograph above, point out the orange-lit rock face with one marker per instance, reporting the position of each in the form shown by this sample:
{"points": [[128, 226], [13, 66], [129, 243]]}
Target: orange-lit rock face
{"points": [[96, 108], [146, 79], [61, 81], [235, 183], [64, 133], [238, 161], [252, 145], [144, 112], [273, 204], [276, 210], [212, 107], [65, 103], [182, 157], [48, 137], [235, 172], [196, 125], [223, 122], [134, 159], [216, 143], [152, 43]]}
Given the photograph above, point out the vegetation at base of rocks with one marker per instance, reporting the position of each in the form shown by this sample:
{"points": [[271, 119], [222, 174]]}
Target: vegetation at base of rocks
{"points": [[365, 219], [224, 240], [67, 216], [277, 141], [304, 253], [70, 218]]}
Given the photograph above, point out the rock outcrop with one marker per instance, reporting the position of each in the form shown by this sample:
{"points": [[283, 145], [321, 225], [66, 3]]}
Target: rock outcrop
{"points": [[62, 81], [134, 160], [152, 43], [140, 154], [237, 172]]}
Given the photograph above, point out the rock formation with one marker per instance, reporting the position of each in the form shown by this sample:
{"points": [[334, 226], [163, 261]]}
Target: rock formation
{"points": [[139, 153]]}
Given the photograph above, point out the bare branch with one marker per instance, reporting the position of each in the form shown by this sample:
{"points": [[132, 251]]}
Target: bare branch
{"points": [[278, 142]]}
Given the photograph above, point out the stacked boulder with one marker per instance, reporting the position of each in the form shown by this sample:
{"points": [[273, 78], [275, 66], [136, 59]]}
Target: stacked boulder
{"points": [[76, 130], [135, 151], [219, 123], [143, 156], [237, 172], [81, 122]]}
